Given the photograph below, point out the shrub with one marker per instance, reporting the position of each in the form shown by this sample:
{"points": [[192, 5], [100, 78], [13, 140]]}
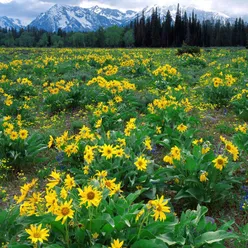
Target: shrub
{"points": [[194, 50], [17, 146], [240, 104]]}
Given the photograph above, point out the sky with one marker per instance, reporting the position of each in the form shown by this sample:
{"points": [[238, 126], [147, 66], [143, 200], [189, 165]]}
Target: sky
{"points": [[27, 10]]}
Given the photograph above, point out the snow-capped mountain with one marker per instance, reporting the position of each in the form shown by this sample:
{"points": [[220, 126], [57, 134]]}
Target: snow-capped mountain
{"points": [[71, 18], [6, 22], [114, 15], [201, 14]]}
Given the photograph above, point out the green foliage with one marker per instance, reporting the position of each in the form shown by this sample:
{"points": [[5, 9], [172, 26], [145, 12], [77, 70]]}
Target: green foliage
{"points": [[219, 96], [129, 38], [213, 187], [20, 152], [240, 105], [26, 40], [113, 36], [78, 40], [103, 111], [192, 229], [193, 50]]}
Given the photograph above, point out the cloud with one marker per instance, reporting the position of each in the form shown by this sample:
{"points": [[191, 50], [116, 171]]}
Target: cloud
{"points": [[231, 6], [27, 10], [24, 10]]}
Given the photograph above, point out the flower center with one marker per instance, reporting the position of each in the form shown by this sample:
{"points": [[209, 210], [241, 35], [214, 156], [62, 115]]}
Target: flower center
{"points": [[228, 147], [220, 161], [108, 184], [91, 195], [65, 211], [159, 208], [36, 235]]}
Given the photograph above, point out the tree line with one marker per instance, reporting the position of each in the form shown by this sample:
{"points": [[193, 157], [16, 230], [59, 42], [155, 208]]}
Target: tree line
{"points": [[154, 32], [142, 32], [31, 37]]}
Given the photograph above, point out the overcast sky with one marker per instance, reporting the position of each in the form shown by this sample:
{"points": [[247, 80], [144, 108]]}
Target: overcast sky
{"points": [[27, 10]]}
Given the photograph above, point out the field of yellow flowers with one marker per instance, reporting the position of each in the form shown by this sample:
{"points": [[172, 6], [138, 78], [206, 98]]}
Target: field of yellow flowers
{"points": [[123, 148]]}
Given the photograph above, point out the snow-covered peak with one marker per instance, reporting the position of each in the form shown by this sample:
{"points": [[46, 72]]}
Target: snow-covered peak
{"points": [[74, 18], [201, 13], [6, 22], [96, 9]]}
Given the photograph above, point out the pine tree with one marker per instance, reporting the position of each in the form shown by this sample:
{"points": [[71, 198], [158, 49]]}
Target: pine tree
{"points": [[148, 31], [155, 29], [178, 28], [167, 31]]}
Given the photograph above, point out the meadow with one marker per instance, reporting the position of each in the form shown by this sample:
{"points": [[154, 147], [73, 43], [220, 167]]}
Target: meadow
{"points": [[123, 148]]}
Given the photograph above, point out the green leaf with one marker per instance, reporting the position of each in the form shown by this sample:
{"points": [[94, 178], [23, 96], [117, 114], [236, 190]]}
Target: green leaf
{"points": [[213, 237], [165, 143], [18, 246], [201, 211], [196, 193], [151, 193], [197, 152], [161, 227], [108, 218], [127, 223], [80, 235], [191, 164], [3, 215], [227, 225], [54, 246], [193, 180], [221, 187], [56, 226], [169, 239], [98, 246], [133, 196], [182, 194], [152, 243], [107, 229], [245, 230]]}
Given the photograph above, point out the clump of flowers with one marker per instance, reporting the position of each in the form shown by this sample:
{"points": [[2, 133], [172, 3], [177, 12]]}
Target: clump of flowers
{"points": [[108, 70]]}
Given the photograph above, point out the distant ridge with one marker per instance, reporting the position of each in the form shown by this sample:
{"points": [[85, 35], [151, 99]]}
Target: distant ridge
{"points": [[73, 18], [6, 22], [70, 18]]}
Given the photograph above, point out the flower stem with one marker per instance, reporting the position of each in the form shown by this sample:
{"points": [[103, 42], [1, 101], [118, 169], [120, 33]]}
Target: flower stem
{"points": [[67, 240], [141, 225]]}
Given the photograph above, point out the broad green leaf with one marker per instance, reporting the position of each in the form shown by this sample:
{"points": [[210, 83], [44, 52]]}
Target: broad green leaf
{"points": [[182, 194], [108, 218], [197, 152], [196, 193], [153, 243], [54, 246], [133, 196], [3, 215], [169, 239], [191, 164], [212, 237], [18, 246], [80, 235], [201, 211]]}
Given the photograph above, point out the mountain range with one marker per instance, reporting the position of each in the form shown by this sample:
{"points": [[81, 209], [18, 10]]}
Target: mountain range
{"points": [[6, 22], [73, 18]]}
